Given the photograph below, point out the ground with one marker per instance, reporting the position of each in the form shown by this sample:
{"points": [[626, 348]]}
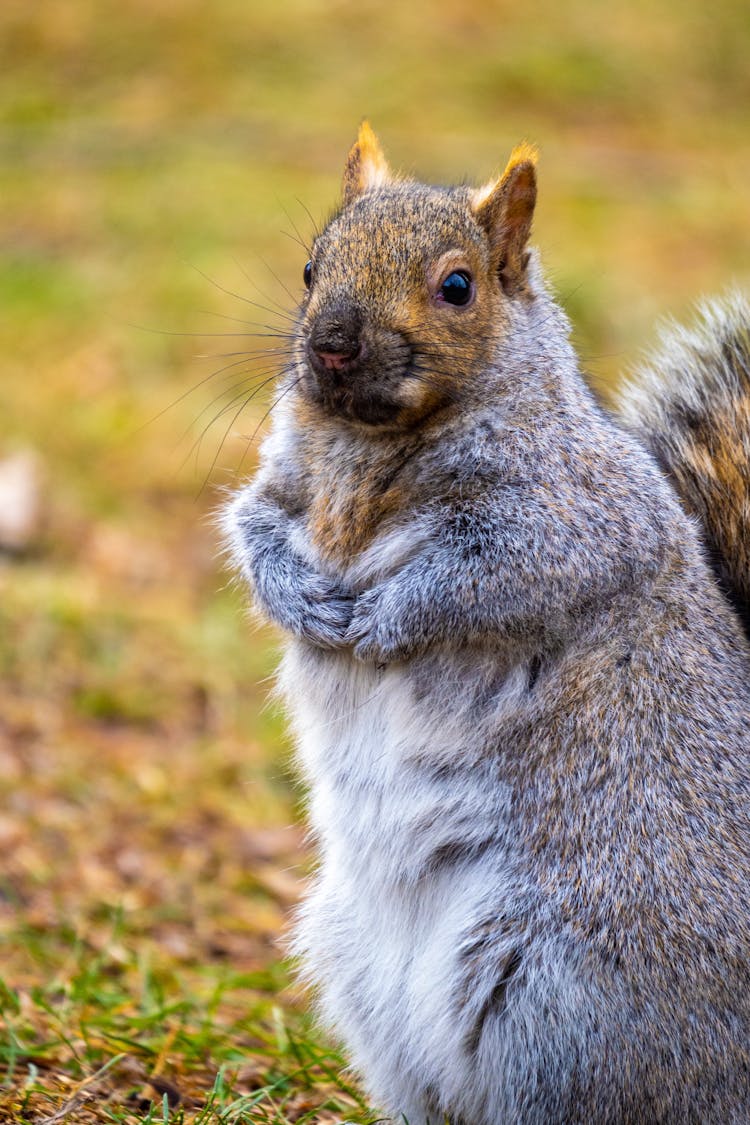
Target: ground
{"points": [[160, 164]]}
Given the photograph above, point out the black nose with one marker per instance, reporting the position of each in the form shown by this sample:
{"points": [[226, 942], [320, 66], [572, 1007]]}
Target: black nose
{"points": [[335, 343]]}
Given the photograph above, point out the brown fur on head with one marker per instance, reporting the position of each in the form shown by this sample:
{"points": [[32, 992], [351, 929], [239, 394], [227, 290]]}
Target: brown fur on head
{"points": [[383, 341]]}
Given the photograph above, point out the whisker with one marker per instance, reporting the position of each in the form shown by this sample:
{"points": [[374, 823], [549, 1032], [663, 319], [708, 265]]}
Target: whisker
{"points": [[296, 229], [271, 373], [263, 377], [247, 357], [285, 287], [212, 466], [250, 355], [232, 422], [287, 290], [273, 406], [245, 400], [238, 296], [239, 320], [298, 240], [307, 211], [221, 335]]}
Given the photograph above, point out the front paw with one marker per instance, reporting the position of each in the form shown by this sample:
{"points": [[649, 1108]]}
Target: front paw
{"points": [[374, 631], [324, 616]]}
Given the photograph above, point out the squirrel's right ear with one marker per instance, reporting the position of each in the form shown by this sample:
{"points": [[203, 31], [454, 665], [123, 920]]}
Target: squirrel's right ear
{"points": [[366, 166], [505, 208]]}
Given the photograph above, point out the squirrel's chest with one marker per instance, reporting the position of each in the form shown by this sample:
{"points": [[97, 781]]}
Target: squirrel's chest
{"points": [[343, 521], [352, 494]]}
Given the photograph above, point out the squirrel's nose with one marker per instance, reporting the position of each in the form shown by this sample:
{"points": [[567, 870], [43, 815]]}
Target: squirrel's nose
{"points": [[339, 360], [335, 344]]}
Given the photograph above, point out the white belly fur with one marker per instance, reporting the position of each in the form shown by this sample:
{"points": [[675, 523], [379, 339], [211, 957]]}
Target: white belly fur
{"points": [[381, 934]]}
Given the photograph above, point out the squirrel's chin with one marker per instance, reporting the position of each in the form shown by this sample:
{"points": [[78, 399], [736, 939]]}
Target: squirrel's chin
{"points": [[374, 414], [368, 411], [362, 398], [352, 403]]}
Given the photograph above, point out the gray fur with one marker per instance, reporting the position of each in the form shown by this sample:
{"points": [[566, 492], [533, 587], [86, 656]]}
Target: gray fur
{"points": [[522, 710], [301, 600]]}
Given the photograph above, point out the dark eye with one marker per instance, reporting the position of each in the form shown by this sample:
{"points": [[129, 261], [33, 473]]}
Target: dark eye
{"points": [[456, 289], [307, 275]]}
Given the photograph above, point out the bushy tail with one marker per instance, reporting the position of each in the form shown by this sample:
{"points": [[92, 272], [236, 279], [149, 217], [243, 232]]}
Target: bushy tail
{"points": [[690, 404]]}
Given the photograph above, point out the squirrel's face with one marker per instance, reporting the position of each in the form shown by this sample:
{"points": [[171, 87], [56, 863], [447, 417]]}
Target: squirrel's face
{"points": [[407, 296], [401, 306]]}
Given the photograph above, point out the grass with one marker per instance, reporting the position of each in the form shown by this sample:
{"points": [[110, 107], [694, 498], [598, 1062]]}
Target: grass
{"points": [[98, 1042], [155, 159]]}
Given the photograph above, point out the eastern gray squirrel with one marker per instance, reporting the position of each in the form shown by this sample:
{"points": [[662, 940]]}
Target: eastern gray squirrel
{"points": [[521, 694]]}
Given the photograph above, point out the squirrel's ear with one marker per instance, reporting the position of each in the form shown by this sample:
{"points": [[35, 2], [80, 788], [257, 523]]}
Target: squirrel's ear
{"points": [[505, 208], [366, 166]]}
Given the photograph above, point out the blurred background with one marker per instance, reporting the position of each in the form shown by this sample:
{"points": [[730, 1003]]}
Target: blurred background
{"points": [[162, 164]]}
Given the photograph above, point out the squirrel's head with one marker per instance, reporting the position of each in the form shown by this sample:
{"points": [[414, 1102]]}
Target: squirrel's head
{"points": [[409, 289]]}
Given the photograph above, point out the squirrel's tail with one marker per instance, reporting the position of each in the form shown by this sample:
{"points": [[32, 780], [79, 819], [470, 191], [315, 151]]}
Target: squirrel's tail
{"points": [[690, 404]]}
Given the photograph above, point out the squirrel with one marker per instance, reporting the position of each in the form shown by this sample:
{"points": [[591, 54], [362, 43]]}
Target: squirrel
{"points": [[517, 672]]}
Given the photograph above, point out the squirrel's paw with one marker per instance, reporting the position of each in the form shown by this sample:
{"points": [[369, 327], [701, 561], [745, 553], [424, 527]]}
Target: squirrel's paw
{"points": [[374, 631], [323, 616]]}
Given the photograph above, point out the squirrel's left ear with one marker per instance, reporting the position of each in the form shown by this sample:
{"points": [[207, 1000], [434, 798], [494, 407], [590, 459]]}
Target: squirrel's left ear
{"points": [[366, 166], [505, 208]]}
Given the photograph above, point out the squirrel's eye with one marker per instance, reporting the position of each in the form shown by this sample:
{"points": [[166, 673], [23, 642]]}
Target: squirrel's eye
{"points": [[307, 275], [456, 289]]}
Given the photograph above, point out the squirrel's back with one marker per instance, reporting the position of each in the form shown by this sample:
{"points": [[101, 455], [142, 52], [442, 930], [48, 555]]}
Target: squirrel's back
{"points": [[690, 404]]}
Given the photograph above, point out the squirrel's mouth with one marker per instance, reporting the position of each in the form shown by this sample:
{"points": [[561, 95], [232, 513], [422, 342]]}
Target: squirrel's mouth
{"points": [[354, 399], [366, 402]]}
